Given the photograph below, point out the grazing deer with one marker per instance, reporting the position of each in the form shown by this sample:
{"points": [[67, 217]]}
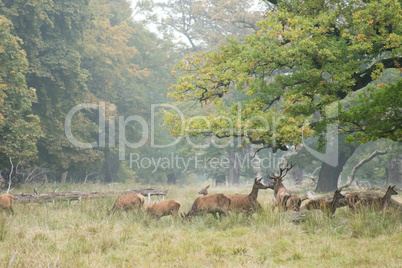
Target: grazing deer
{"points": [[247, 202], [281, 193], [377, 202], [6, 202], [204, 190], [128, 201], [212, 203], [164, 208], [326, 206]]}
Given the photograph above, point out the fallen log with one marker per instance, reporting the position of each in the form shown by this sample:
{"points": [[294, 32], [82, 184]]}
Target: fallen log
{"points": [[76, 195]]}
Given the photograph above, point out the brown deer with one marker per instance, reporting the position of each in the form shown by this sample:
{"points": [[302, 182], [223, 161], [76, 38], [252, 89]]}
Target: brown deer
{"points": [[294, 203], [353, 198], [6, 202], [247, 202], [377, 202], [164, 208], [128, 201], [212, 203], [328, 207], [204, 190], [281, 193]]}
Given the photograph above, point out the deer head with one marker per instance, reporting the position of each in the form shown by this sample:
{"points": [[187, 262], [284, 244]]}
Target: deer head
{"points": [[259, 185], [338, 195], [391, 190], [204, 191]]}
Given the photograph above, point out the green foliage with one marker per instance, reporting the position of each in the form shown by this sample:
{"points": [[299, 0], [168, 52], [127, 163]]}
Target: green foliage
{"points": [[376, 114], [52, 39], [19, 128], [306, 57]]}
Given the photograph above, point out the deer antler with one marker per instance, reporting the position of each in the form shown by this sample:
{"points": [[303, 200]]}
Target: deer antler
{"points": [[281, 170], [287, 168]]}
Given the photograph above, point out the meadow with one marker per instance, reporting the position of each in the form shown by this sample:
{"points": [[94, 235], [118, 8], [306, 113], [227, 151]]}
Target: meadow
{"points": [[80, 234]]}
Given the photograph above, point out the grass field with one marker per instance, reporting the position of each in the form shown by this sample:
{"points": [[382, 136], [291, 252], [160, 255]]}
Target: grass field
{"points": [[81, 235]]}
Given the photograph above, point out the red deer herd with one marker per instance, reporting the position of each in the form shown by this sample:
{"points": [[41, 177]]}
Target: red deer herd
{"points": [[221, 203]]}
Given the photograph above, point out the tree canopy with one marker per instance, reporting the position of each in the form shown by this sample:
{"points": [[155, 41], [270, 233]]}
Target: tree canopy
{"points": [[306, 57], [19, 127]]}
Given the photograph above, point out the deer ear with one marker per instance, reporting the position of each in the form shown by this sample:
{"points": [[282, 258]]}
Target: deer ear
{"points": [[207, 187]]}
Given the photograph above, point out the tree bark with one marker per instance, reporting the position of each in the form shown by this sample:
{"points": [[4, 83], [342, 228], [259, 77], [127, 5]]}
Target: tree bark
{"points": [[234, 168], [111, 166], [63, 177], [329, 175]]}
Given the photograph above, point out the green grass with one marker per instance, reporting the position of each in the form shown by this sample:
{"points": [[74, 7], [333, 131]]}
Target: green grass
{"points": [[81, 235]]}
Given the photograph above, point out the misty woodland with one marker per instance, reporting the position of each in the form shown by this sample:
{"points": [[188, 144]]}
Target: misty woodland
{"points": [[200, 133]]}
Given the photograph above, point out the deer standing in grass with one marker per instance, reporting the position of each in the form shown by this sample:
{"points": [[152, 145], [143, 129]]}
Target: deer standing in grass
{"points": [[328, 207], [212, 203], [128, 201], [6, 202], [283, 196], [377, 202], [204, 190], [164, 208], [247, 202]]}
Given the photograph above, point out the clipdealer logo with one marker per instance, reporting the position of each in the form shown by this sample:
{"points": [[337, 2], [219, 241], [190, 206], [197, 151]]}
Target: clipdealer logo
{"points": [[330, 156]]}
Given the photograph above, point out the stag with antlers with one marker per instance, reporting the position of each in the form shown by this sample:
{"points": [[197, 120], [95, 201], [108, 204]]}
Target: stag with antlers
{"points": [[281, 193]]}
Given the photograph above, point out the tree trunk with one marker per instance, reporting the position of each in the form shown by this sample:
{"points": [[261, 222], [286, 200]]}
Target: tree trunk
{"points": [[220, 179], [329, 175], [63, 178], [171, 178], [234, 168], [395, 171], [111, 166]]}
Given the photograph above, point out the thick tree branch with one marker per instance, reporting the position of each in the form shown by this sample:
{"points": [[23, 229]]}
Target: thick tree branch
{"points": [[359, 165]]}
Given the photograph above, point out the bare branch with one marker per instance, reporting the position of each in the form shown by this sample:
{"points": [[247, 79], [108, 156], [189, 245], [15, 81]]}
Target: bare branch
{"points": [[361, 163], [10, 175]]}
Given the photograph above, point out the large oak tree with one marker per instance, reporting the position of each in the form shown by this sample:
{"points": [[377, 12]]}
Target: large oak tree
{"points": [[306, 57]]}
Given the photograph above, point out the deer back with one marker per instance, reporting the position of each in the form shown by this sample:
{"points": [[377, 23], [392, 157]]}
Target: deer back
{"points": [[6, 200], [165, 207], [129, 201], [209, 204], [247, 202]]}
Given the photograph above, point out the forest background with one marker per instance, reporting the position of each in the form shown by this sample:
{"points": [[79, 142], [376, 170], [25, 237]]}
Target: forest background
{"points": [[282, 62]]}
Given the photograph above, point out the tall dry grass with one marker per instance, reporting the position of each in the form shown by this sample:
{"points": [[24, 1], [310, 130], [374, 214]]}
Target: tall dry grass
{"points": [[80, 234]]}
